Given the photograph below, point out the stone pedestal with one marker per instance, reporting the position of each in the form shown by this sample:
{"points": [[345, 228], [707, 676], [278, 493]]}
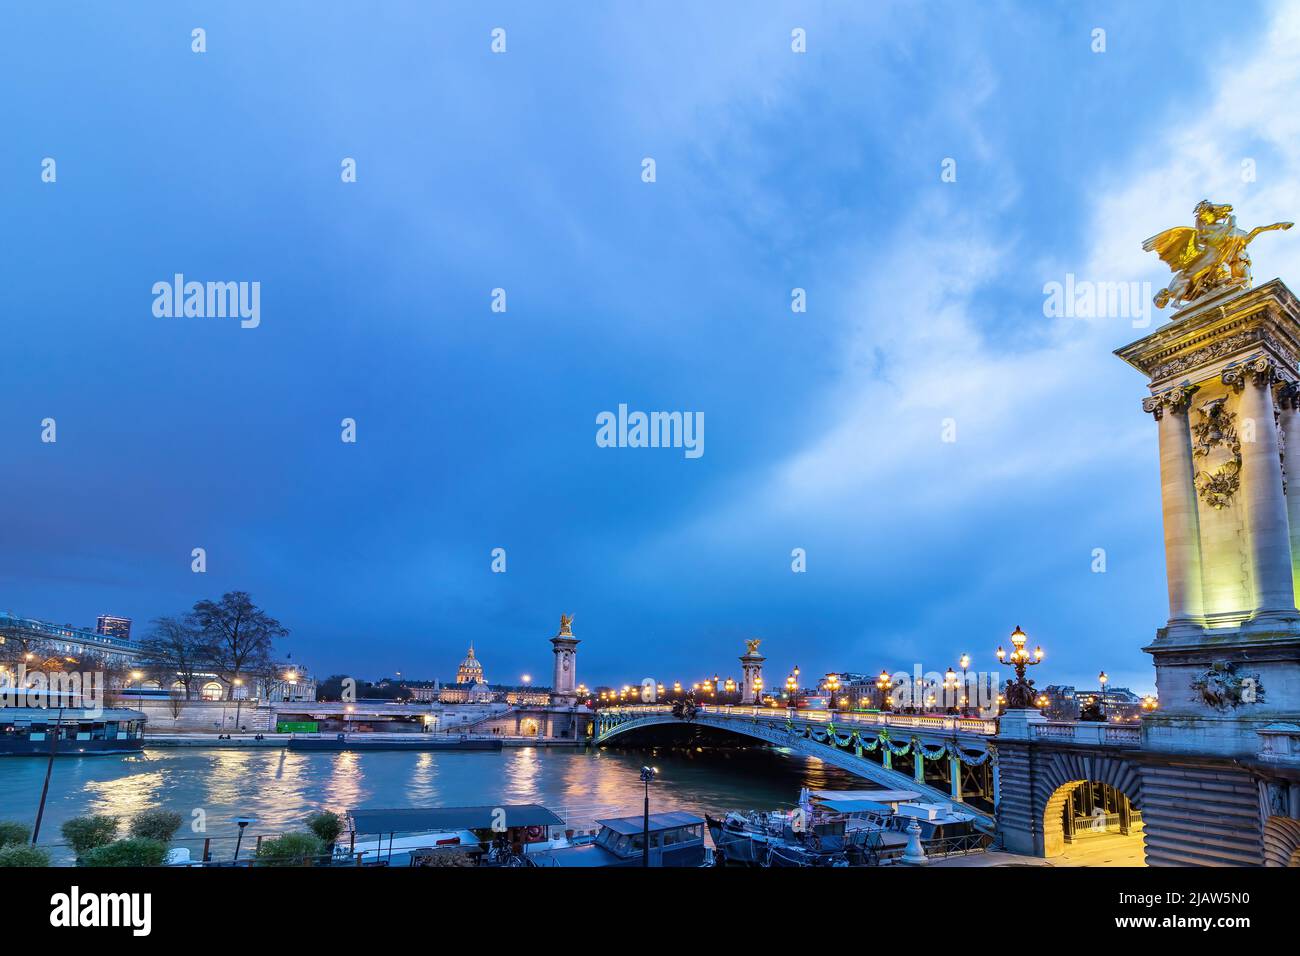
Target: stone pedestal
{"points": [[1222, 373]]}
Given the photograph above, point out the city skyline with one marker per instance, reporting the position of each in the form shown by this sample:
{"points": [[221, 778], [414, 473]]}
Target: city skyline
{"points": [[477, 430]]}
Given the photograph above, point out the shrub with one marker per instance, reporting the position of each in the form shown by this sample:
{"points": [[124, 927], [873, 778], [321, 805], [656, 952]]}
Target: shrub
{"points": [[19, 854], [137, 851], [292, 849], [12, 832], [160, 825], [86, 833], [327, 826]]}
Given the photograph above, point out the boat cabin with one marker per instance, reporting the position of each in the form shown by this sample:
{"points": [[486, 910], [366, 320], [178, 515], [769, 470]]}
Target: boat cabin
{"points": [[416, 835], [676, 839]]}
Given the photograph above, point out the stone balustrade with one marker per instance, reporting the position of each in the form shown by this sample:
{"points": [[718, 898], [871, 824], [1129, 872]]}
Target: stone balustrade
{"points": [[1092, 733]]}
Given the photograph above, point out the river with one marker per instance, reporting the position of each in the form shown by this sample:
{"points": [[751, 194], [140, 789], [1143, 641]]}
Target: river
{"points": [[278, 789]]}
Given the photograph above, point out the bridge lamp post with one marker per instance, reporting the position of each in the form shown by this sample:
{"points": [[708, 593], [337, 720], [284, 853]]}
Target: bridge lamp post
{"points": [[884, 685], [964, 663], [1149, 703], [1101, 679], [1020, 694], [647, 774], [791, 686], [832, 685], [950, 689]]}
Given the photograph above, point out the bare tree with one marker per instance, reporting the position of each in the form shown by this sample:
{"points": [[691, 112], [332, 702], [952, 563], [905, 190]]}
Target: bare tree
{"points": [[176, 648], [236, 635], [176, 702]]}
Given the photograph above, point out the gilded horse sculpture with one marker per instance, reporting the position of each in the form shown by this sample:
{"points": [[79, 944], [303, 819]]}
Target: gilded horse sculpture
{"points": [[1207, 257]]}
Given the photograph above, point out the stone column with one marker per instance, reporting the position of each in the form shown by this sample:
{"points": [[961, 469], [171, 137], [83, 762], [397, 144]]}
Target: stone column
{"points": [[1289, 400], [954, 774], [751, 669], [1265, 511], [564, 684], [1178, 494]]}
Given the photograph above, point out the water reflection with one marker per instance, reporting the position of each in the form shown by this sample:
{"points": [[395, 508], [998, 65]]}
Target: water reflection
{"points": [[279, 790]]}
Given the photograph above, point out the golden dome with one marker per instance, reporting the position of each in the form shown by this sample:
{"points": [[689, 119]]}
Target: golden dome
{"points": [[470, 670]]}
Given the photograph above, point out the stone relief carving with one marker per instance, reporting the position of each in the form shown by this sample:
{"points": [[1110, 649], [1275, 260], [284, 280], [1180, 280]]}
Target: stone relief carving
{"points": [[1222, 688], [1215, 442], [1210, 352]]}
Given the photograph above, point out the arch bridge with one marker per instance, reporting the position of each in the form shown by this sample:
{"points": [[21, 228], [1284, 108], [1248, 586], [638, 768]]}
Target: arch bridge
{"points": [[946, 758]]}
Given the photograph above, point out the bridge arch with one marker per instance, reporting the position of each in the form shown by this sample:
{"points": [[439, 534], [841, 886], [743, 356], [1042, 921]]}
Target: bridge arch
{"points": [[1281, 842], [1059, 778], [751, 726]]}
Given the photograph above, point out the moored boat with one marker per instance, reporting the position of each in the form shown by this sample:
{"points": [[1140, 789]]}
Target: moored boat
{"points": [[70, 731]]}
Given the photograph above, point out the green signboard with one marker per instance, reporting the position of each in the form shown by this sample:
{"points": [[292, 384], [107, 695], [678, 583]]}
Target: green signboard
{"points": [[297, 727]]}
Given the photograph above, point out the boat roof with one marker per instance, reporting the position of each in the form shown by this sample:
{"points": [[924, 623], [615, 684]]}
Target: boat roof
{"points": [[879, 796], [47, 715], [625, 826], [410, 819], [857, 806]]}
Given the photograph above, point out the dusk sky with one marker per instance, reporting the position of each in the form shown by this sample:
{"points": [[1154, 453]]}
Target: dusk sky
{"points": [[523, 171]]}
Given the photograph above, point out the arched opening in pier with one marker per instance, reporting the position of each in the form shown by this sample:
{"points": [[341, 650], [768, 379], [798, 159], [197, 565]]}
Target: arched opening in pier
{"points": [[1092, 823]]}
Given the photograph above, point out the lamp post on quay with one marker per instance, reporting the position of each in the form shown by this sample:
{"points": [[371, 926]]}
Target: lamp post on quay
{"points": [[647, 775]]}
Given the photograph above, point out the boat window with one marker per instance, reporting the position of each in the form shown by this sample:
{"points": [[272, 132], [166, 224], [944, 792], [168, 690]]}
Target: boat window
{"points": [[673, 837]]}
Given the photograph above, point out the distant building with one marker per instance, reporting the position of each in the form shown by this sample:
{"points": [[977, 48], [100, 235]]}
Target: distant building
{"points": [[114, 626], [470, 670], [1066, 702]]}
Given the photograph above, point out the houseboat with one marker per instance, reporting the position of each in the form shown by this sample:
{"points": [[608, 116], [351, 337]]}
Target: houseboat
{"points": [[676, 840], [475, 836], [69, 731]]}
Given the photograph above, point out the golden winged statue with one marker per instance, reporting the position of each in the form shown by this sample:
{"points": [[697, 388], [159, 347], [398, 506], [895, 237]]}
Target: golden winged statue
{"points": [[566, 623], [1206, 257]]}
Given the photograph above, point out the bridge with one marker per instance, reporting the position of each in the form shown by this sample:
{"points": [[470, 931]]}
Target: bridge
{"points": [[946, 758], [1040, 784]]}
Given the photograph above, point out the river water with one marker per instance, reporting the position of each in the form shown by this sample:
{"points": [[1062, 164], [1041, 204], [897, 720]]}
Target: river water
{"points": [[278, 789]]}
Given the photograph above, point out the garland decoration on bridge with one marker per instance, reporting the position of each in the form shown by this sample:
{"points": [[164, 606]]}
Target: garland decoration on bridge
{"points": [[936, 754], [972, 761]]}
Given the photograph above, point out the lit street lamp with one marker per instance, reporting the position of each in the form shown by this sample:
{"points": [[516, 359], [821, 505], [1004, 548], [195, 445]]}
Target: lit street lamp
{"points": [[1020, 692], [965, 684], [1101, 679], [883, 684], [832, 685]]}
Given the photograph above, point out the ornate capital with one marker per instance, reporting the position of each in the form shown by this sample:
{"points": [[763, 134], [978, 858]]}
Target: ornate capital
{"points": [[1176, 399], [1288, 395], [1261, 370]]}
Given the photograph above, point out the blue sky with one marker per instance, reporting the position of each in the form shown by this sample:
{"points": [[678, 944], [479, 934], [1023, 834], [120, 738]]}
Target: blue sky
{"points": [[476, 429]]}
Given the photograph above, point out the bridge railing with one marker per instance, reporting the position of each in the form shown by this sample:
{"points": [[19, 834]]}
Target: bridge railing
{"points": [[936, 722], [1093, 733]]}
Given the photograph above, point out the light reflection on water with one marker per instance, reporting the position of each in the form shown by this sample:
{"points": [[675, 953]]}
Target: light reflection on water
{"points": [[280, 789]]}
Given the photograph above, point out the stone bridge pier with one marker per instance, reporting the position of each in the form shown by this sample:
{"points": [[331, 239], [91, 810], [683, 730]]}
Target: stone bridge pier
{"points": [[1195, 810]]}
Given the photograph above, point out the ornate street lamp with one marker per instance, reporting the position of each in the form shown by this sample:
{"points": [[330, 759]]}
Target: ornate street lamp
{"points": [[832, 685], [965, 684], [1149, 703], [1020, 692], [1101, 679], [883, 684], [950, 689], [791, 689]]}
